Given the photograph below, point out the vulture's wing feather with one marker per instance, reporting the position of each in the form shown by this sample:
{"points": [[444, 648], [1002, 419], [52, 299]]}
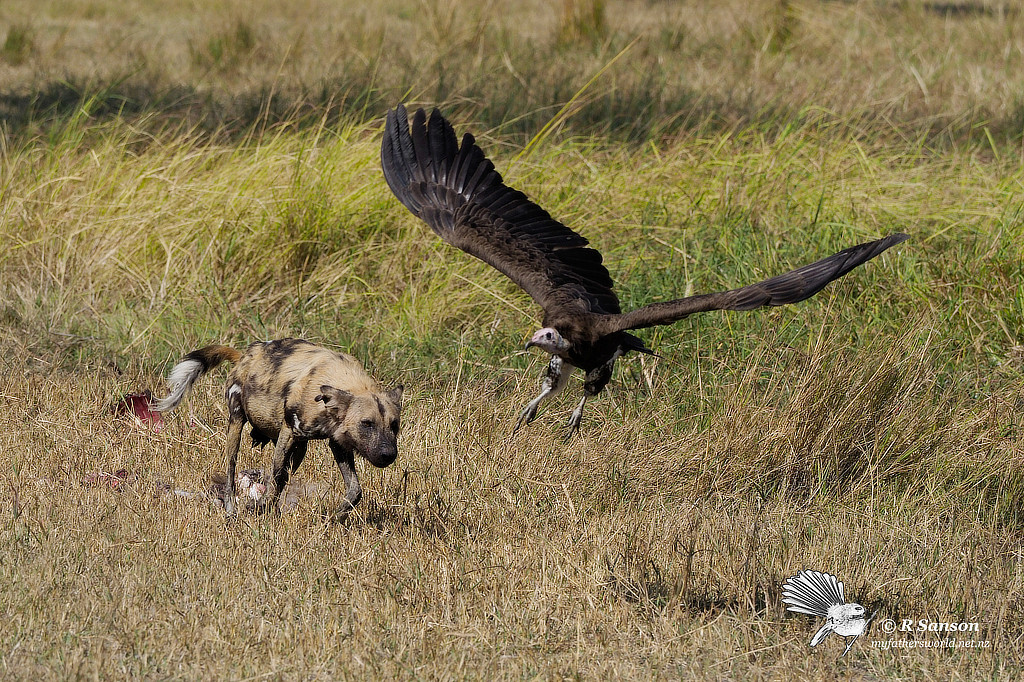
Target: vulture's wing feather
{"points": [[458, 193], [790, 287]]}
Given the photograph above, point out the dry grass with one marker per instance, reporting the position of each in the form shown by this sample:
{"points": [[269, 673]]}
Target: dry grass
{"points": [[874, 431], [483, 555]]}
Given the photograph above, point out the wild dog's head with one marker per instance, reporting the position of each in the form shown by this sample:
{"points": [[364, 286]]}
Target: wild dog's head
{"points": [[367, 422]]}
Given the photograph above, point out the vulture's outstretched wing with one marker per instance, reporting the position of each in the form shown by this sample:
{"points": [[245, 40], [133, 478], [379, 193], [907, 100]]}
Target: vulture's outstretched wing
{"points": [[458, 193], [790, 287]]}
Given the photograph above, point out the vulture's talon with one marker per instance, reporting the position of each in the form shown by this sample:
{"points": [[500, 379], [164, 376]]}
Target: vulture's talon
{"points": [[528, 414]]}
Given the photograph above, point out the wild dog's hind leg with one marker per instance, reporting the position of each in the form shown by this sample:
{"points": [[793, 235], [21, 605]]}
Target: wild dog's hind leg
{"points": [[234, 437], [236, 420], [554, 380], [354, 492]]}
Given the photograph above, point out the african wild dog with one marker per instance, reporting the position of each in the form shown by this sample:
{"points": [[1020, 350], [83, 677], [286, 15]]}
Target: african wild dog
{"points": [[291, 392]]}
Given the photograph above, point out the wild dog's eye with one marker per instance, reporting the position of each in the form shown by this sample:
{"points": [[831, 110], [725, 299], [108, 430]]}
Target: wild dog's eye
{"points": [[366, 423], [394, 426]]}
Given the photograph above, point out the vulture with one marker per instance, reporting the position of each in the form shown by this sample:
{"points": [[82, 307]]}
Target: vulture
{"points": [[456, 190]]}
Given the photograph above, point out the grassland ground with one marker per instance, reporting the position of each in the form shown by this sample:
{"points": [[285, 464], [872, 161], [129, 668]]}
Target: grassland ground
{"points": [[910, 68], [874, 431]]}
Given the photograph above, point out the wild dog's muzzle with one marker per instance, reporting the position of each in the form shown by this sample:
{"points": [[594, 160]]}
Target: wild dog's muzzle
{"points": [[383, 455]]}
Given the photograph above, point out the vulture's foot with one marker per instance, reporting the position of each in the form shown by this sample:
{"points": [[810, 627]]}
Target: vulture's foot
{"points": [[575, 419], [528, 414]]}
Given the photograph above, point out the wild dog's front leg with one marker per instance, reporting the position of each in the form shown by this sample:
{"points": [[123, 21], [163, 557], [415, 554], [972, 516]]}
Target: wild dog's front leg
{"points": [[286, 443], [298, 454], [234, 437], [354, 492]]}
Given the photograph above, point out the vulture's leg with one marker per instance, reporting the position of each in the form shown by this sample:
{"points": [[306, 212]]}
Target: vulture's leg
{"points": [[554, 380], [593, 384], [577, 416]]}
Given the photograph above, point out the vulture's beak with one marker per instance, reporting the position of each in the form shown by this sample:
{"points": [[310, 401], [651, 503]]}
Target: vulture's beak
{"points": [[528, 344]]}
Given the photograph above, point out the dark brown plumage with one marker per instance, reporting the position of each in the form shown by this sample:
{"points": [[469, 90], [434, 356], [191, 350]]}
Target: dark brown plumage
{"points": [[456, 190]]}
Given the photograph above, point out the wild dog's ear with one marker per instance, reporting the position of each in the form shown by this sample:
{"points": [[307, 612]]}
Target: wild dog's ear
{"points": [[334, 398], [395, 395]]}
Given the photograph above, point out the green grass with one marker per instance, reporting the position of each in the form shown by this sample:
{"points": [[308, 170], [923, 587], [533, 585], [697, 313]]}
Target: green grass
{"points": [[873, 431], [17, 45]]}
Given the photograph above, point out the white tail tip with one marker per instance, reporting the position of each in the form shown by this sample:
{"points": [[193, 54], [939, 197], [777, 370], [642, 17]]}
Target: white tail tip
{"points": [[181, 378]]}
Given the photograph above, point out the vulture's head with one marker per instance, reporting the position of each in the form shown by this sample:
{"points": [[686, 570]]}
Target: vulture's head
{"points": [[548, 339]]}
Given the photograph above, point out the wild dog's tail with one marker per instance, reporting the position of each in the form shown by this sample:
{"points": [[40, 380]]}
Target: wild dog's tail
{"points": [[192, 366]]}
